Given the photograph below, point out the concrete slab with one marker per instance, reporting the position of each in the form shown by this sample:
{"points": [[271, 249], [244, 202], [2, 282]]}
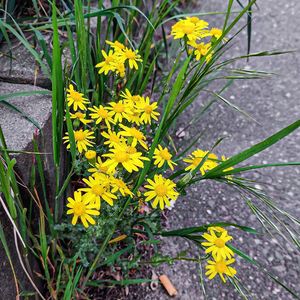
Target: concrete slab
{"points": [[19, 131], [19, 66]]}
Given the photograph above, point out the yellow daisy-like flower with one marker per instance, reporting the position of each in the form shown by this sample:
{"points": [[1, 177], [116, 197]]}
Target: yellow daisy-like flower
{"points": [[120, 69], [98, 168], [113, 138], [109, 63], [76, 99], [196, 157], [135, 118], [80, 117], [102, 114], [136, 135], [217, 244], [90, 154], [220, 267], [82, 139], [98, 188], [116, 45], [129, 98], [132, 56], [120, 110], [191, 28], [121, 156], [161, 190], [200, 49], [216, 32], [161, 156], [118, 185], [147, 110], [83, 209]]}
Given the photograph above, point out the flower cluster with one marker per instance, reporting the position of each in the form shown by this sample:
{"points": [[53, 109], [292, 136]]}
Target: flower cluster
{"points": [[215, 244], [112, 139], [117, 58], [193, 31]]}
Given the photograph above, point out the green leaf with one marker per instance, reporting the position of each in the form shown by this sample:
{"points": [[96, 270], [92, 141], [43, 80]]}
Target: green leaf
{"points": [[218, 171]]}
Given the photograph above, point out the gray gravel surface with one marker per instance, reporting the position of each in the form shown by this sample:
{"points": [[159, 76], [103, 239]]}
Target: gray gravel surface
{"points": [[274, 103]]}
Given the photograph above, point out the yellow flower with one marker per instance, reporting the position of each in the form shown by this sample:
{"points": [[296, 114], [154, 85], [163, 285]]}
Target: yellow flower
{"points": [[192, 28], [132, 56], [98, 188], [82, 209], [121, 156], [120, 69], [81, 117], [137, 136], [196, 157], [148, 111], [109, 63], [113, 138], [76, 99], [102, 114], [217, 244], [90, 154], [200, 49], [129, 98], [161, 190], [162, 155], [82, 139], [216, 32], [120, 110], [120, 185], [98, 168], [220, 267], [116, 45], [135, 117]]}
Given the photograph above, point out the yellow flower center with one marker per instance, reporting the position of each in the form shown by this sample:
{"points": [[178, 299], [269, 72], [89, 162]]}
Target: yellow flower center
{"points": [[161, 190], [121, 157], [221, 267], [76, 96], [98, 190], [119, 108], [130, 54], [102, 113], [219, 243], [79, 208], [79, 135], [188, 27], [131, 150], [148, 109], [79, 115], [136, 98], [165, 154], [109, 59]]}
